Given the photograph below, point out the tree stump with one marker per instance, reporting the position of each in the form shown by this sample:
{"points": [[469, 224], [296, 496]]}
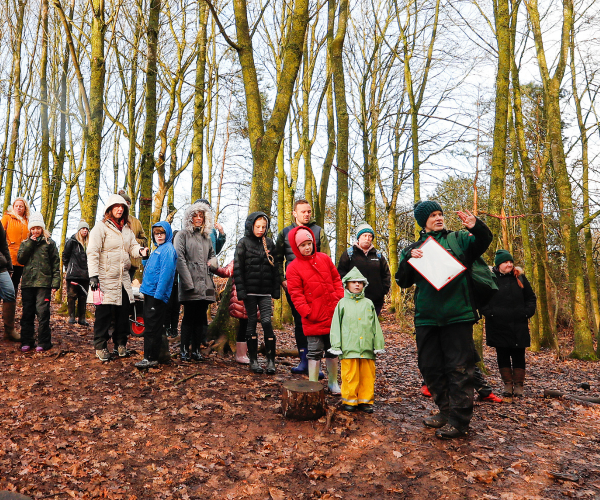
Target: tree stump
{"points": [[303, 400]]}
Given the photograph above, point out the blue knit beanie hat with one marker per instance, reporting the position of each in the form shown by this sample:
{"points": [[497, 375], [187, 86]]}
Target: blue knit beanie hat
{"points": [[423, 210]]}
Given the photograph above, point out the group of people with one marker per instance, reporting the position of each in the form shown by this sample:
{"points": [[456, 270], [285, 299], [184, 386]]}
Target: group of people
{"points": [[335, 309]]}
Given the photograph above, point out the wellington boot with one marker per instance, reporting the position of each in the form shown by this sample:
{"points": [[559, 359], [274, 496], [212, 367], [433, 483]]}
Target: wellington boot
{"points": [[81, 311], [313, 370], [332, 376], [71, 309], [253, 356], [518, 379], [303, 365], [8, 316], [507, 377], [241, 351], [270, 351]]}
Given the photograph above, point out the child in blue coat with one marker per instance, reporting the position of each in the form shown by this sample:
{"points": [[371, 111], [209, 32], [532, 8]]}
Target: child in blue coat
{"points": [[159, 272]]}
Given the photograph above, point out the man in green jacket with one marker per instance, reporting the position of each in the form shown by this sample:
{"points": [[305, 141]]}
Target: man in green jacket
{"points": [[444, 320]]}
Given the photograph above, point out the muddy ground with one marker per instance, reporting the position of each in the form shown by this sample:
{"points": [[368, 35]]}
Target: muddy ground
{"points": [[73, 427]]}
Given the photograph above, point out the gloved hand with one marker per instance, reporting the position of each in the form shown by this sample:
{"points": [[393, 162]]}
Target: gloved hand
{"points": [[336, 352], [379, 351], [94, 283]]}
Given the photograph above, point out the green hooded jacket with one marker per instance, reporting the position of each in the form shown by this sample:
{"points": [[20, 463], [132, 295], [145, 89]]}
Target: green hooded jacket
{"points": [[453, 303], [355, 329], [41, 263]]}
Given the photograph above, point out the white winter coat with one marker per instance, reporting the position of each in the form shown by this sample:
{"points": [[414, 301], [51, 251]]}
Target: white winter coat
{"points": [[108, 254]]}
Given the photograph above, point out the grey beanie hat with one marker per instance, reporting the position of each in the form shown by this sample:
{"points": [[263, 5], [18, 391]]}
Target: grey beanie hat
{"points": [[423, 210], [36, 220], [125, 196], [82, 224], [364, 227]]}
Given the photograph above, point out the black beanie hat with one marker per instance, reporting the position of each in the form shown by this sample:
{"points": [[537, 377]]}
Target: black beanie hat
{"points": [[502, 256], [423, 210]]}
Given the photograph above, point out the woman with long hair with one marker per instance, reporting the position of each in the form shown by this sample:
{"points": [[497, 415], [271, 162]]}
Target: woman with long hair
{"points": [[77, 277]]}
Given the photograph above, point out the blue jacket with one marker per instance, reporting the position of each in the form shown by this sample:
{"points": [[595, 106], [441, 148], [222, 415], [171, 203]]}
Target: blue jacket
{"points": [[218, 240], [159, 269]]}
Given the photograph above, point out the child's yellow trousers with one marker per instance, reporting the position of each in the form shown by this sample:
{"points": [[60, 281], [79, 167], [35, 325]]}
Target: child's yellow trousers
{"points": [[358, 381]]}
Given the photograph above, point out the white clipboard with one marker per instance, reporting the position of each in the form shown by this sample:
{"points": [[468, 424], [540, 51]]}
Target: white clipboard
{"points": [[438, 266]]}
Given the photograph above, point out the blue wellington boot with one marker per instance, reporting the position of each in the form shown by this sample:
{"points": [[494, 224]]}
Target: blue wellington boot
{"points": [[303, 365]]}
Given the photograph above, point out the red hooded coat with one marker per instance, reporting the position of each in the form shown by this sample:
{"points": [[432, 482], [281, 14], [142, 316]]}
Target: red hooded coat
{"points": [[315, 287]]}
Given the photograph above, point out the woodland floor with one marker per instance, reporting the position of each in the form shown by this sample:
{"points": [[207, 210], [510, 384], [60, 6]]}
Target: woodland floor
{"points": [[73, 427]]}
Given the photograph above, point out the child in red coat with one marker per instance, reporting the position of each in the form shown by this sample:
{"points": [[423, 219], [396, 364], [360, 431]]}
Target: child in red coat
{"points": [[315, 287]]}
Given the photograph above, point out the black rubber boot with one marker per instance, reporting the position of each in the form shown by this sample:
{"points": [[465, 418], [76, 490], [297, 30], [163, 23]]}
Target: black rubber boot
{"points": [[81, 310], [185, 343], [270, 350], [71, 309], [253, 355]]}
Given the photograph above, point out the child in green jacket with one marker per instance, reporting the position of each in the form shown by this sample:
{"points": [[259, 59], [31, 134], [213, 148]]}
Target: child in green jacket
{"points": [[356, 337]]}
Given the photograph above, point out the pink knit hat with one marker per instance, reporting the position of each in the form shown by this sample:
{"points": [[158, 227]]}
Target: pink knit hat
{"points": [[302, 235]]}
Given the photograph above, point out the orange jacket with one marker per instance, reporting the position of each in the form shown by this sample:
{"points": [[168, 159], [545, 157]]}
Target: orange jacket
{"points": [[16, 232]]}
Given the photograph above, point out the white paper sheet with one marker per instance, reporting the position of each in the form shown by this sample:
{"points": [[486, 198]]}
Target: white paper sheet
{"points": [[437, 265]]}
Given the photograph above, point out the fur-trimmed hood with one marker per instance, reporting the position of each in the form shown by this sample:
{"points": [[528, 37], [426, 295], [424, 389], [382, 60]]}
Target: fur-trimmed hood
{"points": [[27, 213], [209, 218]]}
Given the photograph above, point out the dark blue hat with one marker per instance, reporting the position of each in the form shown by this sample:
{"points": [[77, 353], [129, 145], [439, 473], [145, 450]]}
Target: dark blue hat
{"points": [[423, 210]]}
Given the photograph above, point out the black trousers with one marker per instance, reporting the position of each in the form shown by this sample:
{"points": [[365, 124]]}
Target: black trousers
{"points": [[301, 341], [172, 311], [253, 303], [36, 302], [194, 323], [504, 355], [104, 316], [241, 333], [16, 277], [154, 318], [77, 293], [447, 362]]}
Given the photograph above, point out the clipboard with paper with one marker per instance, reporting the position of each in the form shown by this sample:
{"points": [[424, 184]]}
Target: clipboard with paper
{"points": [[437, 265]]}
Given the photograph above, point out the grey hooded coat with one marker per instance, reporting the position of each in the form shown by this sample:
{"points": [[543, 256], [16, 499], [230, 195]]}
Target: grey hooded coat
{"points": [[195, 256]]}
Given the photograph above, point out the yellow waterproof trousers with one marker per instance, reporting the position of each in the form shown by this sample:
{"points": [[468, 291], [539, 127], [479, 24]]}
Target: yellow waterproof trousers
{"points": [[358, 381]]}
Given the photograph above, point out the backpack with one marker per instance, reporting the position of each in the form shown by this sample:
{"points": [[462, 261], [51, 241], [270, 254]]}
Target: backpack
{"points": [[350, 251], [482, 279]]}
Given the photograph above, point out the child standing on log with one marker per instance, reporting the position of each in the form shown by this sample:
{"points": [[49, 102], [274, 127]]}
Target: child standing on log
{"points": [[257, 281], [41, 274], [357, 338], [315, 287]]}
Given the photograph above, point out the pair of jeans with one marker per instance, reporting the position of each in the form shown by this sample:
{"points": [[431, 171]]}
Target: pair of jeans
{"points": [[504, 355], [301, 341], [154, 318], [7, 289], [36, 302], [253, 303], [194, 323], [447, 362], [104, 316]]}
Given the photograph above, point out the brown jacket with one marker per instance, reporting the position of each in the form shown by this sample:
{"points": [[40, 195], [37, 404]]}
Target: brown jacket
{"points": [[16, 232], [140, 236]]}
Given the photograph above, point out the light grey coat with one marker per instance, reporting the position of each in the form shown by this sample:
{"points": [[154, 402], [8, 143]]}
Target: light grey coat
{"points": [[195, 256]]}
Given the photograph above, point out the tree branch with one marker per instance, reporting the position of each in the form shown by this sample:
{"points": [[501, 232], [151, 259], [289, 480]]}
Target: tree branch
{"points": [[221, 28]]}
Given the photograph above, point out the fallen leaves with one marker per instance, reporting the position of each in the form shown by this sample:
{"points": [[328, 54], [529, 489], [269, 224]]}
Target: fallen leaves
{"points": [[483, 476]]}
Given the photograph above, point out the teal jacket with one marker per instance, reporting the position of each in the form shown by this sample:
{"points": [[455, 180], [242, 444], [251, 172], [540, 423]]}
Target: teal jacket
{"points": [[355, 329], [453, 303]]}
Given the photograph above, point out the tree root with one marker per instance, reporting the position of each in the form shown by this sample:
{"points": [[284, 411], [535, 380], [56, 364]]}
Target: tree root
{"points": [[330, 414], [185, 379], [553, 393]]}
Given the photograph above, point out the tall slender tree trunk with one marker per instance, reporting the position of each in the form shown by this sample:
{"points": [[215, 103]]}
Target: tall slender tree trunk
{"points": [[199, 103], [148, 161], [45, 146], [14, 137]]}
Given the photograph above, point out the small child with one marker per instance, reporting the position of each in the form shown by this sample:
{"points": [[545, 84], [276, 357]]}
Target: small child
{"points": [[315, 287], [356, 337], [256, 278], [41, 274], [159, 272]]}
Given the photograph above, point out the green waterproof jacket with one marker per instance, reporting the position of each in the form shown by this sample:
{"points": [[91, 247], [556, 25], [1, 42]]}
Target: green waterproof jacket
{"points": [[355, 329], [453, 303], [41, 263]]}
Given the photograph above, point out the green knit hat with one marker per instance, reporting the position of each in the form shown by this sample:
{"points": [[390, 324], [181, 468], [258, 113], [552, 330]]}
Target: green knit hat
{"points": [[502, 256], [423, 210], [363, 228]]}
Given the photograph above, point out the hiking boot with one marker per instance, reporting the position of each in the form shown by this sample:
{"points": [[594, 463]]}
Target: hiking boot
{"points": [[83, 322], [144, 364], [436, 421], [122, 351], [197, 356], [449, 432], [492, 398], [349, 408], [103, 355], [366, 408], [425, 391]]}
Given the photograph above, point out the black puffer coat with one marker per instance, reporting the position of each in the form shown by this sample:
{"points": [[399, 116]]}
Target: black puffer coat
{"points": [[75, 260], [252, 271], [508, 311]]}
